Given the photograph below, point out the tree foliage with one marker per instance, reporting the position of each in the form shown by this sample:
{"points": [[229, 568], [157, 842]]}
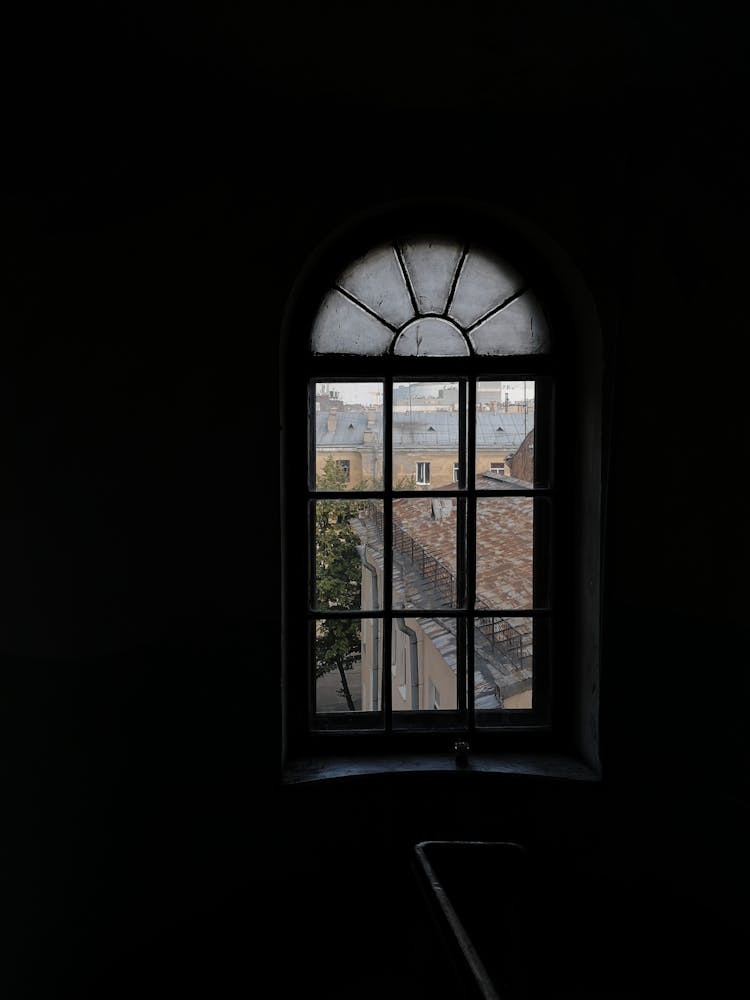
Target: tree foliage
{"points": [[338, 572], [338, 578]]}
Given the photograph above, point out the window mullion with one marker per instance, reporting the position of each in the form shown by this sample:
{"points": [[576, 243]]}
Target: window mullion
{"points": [[543, 576], [387, 549], [309, 515], [461, 551], [471, 535]]}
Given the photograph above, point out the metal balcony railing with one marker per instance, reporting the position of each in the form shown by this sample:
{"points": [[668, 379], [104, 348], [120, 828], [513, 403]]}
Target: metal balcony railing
{"points": [[504, 638], [434, 572]]}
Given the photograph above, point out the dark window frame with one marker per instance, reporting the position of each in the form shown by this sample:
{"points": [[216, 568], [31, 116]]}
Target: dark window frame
{"points": [[580, 395]]}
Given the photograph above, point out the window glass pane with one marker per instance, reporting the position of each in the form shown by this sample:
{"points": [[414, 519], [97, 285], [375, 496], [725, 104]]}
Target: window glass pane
{"points": [[431, 337], [503, 663], [342, 648], [485, 282], [425, 433], [347, 533], [425, 546], [431, 266], [505, 557], [344, 327], [348, 435], [377, 280], [424, 656], [505, 435], [433, 297], [518, 328]]}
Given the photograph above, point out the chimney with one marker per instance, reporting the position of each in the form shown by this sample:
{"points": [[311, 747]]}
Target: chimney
{"points": [[370, 434], [331, 421]]}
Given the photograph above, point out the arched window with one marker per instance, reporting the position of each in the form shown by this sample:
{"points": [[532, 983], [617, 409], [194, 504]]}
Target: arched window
{"points": [[433, 490]]}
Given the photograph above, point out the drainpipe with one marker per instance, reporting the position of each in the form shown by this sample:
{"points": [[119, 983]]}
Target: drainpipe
{"points": [[375, 692], [414, 660], [413, 663]]}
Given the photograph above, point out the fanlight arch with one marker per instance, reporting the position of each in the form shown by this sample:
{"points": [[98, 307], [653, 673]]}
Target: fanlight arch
{"points": [[430, 297]]}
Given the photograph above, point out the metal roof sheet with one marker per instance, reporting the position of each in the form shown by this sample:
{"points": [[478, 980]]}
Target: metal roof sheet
{"points": [[423, 429]]}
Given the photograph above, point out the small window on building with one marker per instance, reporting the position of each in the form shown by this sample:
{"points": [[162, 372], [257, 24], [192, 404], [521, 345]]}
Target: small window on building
{"points": [[423, 473], [498, 467], [343, 464]]}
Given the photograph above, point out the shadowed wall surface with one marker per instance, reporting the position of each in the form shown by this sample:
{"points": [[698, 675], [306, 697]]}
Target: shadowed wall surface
{"points": [[171, 170]]}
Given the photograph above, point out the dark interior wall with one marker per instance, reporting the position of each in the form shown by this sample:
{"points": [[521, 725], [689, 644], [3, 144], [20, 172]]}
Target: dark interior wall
{"points": [[171, 170]]}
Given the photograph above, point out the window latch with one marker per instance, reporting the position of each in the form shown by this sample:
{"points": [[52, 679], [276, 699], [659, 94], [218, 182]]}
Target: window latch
{"points": [[461, 749]]}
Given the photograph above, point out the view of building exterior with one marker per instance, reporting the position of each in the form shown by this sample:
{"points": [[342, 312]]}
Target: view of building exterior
{"points": [[425, 436], [424, 650]]}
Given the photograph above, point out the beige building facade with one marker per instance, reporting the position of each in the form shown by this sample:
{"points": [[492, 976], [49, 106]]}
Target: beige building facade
{"points": [[423, 666], [425, 444]]}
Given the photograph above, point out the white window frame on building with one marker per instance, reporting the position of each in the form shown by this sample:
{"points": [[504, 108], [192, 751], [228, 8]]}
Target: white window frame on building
{"points": [[423, 474]]}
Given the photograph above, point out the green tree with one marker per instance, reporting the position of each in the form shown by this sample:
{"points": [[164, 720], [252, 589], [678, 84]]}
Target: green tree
{"points": [[338, 579]]}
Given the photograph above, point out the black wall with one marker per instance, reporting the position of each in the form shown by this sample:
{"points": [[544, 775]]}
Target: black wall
{"points": [[171, 168]]}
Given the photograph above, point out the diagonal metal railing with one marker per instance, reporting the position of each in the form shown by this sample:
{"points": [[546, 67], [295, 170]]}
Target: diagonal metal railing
{"points": [[505, 639]]}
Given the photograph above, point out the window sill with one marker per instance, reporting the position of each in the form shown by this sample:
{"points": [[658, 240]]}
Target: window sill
{"points": [[549, 765]]}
